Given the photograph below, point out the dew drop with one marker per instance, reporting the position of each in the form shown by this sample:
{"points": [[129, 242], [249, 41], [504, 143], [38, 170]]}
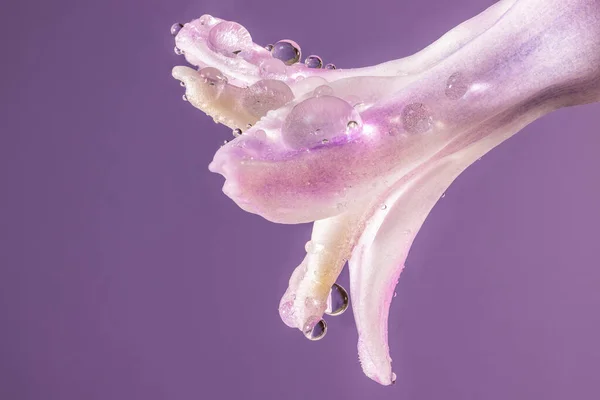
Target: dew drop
{"points": [[330, 66], [417, 118], [352, 125], [456, 86], [393, 378], [337, 301], [272, 68], [324, 141], [225, 141], [178, 51], [318, 118], [395, 294], [207, 20], [313, 62], [184, 97], [237, 132], [443, 195], [287, 51], [213, 76], [269, 47], [229, 38], [383, 206], [315, 328], [323, 90], [287, 314], [182, 83], [175, 28], [266, 95]]}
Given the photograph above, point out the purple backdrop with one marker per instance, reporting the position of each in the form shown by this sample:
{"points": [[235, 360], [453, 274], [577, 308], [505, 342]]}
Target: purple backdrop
{"points": [[125, 273]]}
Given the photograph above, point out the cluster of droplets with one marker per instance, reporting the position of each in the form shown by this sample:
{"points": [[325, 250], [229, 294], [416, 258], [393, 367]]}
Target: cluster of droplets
{"points": [[315, 328]]}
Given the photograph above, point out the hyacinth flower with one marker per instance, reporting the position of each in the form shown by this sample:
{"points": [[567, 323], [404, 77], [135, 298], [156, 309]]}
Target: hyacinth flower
{"points": [[366, 153]]}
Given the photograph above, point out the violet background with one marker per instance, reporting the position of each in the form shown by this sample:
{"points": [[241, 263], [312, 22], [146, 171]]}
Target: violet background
{"points": [[125, 273]]}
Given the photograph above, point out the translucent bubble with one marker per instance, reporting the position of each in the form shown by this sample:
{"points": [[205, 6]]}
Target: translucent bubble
{"points": [[212, 76], [269, 47], [313, 62], [287, 51], [393, 378], [229, 38], [330, 66], [318, 118], [417, 118], [323, 90], [237, 132], [184, 98], [315, 328], [182, 83], [337, 302], [287, 314], [266, 95], [456, 86], [175, 28], [383, 206], [178, 51], [352, 125], [272, 68], [207, 20]]}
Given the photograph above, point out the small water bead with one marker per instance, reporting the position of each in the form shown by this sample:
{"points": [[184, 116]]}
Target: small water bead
{"points": [[456, 86], [417, 118], [337, 301], [393, 378], [182, 83], [237, 132], [212, 76], [229, 38], [312, 247], [383, 206], [352, 125], [178, 51], [184, 98], [313, 62], [324, 141], [330, 66], [272, 68], [315, 328], [269, 47], [207, 20], [287, 313], [287, 51], [323, 90], [266, 95], [175, 28], [318, 118]]}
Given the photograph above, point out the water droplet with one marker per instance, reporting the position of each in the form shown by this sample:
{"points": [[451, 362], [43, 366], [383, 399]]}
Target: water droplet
{"points": [[269, 47], [393, 378], [260, 134], [443, 195], [417, 118], [237, 132], [213, 76], [324, 141], [272, 68], [287, 51], [313, 62], [456, 86], [229, 38], [337, 301], [175, 28], [266, 95], [315, 119], [330, 66], [287, 314], [225, 141], [182, 83], [178, 51], [184, 97], [352, 124], [395, 294], [323, 90], [312, 247], [207, 20], [383, 206], [315, 329]]}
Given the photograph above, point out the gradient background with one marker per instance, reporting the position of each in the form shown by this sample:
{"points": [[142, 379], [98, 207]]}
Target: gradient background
{"points": [[125, 273]]}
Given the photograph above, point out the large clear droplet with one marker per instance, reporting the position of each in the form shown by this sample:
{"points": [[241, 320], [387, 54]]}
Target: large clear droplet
{"points": [[417, 118], [212, 76], [313, 62], [315, 328], [266, 95], [229, 38], [337, 301], [318, 118], [175, 28], [287, 51], [456, 86]]}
